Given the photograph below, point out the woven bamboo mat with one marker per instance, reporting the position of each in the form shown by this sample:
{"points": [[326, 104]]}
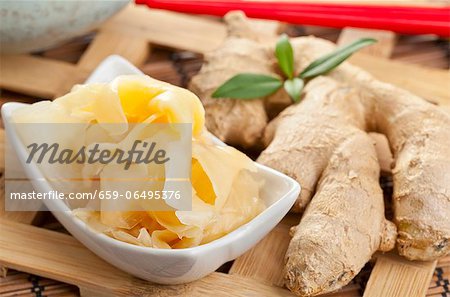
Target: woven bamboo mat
{"points": [[177, 67]]}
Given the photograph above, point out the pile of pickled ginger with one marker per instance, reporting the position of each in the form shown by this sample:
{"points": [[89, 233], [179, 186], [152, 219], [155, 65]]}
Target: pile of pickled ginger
{"points": [[225, 193]]}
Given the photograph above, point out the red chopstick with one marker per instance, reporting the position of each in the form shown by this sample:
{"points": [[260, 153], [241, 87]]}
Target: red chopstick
{"points": [[221, 7], [296, 6], [292, 6], [410, 20]]}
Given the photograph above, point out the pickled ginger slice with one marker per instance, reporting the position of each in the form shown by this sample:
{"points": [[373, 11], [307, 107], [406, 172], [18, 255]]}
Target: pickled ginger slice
{"points": [[221, 164], [143, 96]]}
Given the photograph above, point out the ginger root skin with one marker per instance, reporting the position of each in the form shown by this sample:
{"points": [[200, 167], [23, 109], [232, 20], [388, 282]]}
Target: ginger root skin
{"points": [[304, 141], [236, 122], [301, 142], [344, 223], [419, 138]]}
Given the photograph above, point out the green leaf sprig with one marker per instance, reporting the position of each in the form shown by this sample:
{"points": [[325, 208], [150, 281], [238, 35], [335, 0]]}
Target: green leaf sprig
{"points": [[249, 86]]}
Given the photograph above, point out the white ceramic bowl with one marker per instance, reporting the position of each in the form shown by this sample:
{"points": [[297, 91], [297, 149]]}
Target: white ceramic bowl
{"points": [[38, 24], [160, 265]]}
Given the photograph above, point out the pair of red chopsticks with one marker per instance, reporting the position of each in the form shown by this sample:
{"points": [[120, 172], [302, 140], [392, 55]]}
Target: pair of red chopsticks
{"points": [[401, 19]]}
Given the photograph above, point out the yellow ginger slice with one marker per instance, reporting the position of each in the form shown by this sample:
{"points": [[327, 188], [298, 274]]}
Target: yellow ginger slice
{"points": [[242, 205], [85, 103], [143, 96], [145, 238], [236, 192], [221, 164], [163, 238], [202, 184], [206, 221]]}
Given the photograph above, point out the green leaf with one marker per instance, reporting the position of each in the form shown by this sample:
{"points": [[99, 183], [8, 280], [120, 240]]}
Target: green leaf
{"points": [[285, 56], [248, 86], [332, 60], [294, 88]]}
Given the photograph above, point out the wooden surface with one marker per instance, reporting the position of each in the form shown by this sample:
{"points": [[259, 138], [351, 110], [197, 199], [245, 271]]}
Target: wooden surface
{"points": [[383, 48], [268, 253], [391, 270], [153, 40], [132, 48], [61, 257], [169, 29], [36, 76], [431, 84]]}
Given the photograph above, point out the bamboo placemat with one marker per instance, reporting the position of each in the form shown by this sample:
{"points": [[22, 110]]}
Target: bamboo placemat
{"points": [[176, 67]]}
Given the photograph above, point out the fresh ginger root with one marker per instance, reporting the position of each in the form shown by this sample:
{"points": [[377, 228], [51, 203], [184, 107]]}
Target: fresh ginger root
{"points": [[344, 224], [302, 141], [311, 141], [233, 121], [419, 137], [323, 144]]}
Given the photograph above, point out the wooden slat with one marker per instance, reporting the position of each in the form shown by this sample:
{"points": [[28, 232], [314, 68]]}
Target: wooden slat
{"points": [[430, 84], [170, 29], [394, 276], [423, 51], [265, 261], [36, 76], [132, 48], [383, 48], [26, 217], [61, 257]]}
